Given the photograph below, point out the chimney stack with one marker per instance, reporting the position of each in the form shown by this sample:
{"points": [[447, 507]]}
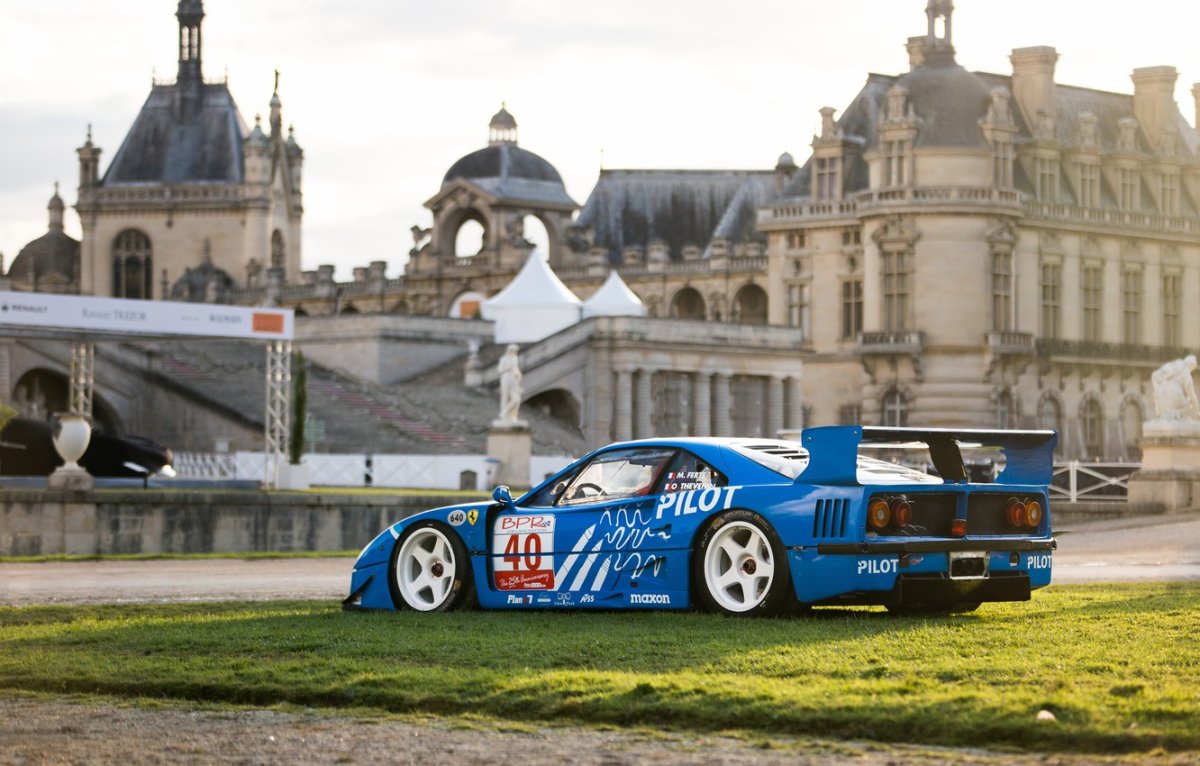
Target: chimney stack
{"points": [[1033, 81], [1196, 96], [1154, 99]]}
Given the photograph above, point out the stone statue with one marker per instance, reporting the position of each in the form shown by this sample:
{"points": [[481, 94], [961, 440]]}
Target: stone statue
{"points": [[1175, 392], [510, 385]]}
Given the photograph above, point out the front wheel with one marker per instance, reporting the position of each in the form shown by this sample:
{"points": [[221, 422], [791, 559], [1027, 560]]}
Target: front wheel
{"points": [[430, 571], [740, 566]]}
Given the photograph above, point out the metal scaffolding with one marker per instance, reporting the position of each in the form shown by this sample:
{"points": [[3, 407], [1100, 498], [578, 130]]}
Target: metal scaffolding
{"points": [[279, 409], [83, 377]]}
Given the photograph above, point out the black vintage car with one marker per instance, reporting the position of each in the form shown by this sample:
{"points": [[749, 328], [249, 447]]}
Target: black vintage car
{"points": [[27, 449]]}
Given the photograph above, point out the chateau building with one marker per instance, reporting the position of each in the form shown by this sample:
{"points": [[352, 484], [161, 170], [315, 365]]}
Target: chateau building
{"points": [[959, 248], [191, 188], [973, 249]]}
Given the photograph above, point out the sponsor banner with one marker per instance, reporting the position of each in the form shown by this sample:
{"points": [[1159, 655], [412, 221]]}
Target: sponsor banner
{"points": [[147, 318], [523, 552]]}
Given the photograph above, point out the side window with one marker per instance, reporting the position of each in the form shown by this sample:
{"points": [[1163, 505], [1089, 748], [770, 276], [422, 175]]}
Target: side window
{"points": [[617, 474], [690, 472], [551, 492]]}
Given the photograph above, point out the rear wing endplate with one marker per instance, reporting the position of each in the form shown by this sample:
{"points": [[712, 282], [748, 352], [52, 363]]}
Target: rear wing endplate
{"points": [[833, 451]]}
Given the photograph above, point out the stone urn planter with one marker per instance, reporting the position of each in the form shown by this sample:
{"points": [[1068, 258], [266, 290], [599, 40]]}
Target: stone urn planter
{"points": [[71, 436]]}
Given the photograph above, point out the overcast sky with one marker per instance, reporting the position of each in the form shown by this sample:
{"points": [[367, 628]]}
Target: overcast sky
{"points": [[386, 94]]}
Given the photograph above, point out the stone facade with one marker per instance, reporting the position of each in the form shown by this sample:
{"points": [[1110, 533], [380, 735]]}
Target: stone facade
{"points": [[191, 187]]}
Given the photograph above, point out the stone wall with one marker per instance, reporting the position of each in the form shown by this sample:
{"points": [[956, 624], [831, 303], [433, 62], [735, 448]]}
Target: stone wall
{"points": [[49, 522]]}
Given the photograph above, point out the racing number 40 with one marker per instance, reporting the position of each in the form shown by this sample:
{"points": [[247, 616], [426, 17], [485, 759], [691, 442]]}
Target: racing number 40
{"points": [[532, 551]]}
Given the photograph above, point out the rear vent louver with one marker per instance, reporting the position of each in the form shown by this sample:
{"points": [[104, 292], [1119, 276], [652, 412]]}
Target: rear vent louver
{"points": [[830, 519]]}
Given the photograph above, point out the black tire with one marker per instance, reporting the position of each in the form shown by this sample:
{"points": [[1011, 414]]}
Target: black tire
{"points": [[729, 567], [430, 570]]}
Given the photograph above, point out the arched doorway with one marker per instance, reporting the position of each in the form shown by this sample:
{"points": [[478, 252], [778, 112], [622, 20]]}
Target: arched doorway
{"points": [[557, 403]]}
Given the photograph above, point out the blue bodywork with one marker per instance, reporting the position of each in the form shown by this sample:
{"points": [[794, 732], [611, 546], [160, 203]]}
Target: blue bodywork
{"points": [[637, 552]]}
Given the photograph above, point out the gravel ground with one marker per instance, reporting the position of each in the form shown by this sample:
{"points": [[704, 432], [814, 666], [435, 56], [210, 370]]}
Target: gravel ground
{"points": [[43, 731]]}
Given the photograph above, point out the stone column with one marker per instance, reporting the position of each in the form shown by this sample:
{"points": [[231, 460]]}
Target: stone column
{"points": [[795, 405], [623, 417], [774, 406], [722, 426], [644, 405], [701, 404]]}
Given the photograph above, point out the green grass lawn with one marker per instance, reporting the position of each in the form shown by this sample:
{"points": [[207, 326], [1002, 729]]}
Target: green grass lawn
{"points": [[1119, 666]]}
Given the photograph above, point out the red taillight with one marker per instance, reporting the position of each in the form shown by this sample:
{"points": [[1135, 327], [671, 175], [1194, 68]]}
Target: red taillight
{"points": [[879, 513], [958, 528], [901, 512], [1015, 512], [1033, 513]]}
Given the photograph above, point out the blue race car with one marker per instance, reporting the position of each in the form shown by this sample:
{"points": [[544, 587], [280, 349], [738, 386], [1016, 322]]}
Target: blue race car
{"points": [[740, 526]]}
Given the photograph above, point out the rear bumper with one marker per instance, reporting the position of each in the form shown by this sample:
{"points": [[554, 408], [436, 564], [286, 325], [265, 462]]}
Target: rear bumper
{"points": [[937, 546]]}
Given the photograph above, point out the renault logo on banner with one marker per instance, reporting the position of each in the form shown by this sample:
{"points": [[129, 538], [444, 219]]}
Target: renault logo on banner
{"points": [[153, 318]]}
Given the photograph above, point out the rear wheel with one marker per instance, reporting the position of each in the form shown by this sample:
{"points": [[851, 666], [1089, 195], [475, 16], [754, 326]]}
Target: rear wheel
{"points": [[740, 567], [430, 571]]}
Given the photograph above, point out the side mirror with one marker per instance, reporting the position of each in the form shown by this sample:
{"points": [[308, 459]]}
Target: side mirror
{"points": [[503, 496]]}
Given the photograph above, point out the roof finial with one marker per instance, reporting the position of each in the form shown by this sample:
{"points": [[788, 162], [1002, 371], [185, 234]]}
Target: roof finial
{"points": [[276, 81]]}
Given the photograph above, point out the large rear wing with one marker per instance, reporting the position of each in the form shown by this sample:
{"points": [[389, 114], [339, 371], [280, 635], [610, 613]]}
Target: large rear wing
{"points": [[833, 451]]}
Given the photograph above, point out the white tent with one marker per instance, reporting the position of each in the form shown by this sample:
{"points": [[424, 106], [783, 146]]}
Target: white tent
{"points": [[535, 305], [614, 299]]}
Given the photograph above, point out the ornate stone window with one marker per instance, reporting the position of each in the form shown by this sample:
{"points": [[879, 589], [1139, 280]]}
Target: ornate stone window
{"points": [[895, 409], [1131, 428], [1131, 305], [852, 308], [1172, 307], [1049, 414], [850, 414], [278, 250], [1051, 299], [1091, 417], [1092, 302], [896, 288], [133, 265], [1002, 297], [799, 304], [1006, 410], [1047, 179]]}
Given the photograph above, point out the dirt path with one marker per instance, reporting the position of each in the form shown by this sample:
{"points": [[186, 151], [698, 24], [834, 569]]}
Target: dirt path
{"points": [[41, 731]]}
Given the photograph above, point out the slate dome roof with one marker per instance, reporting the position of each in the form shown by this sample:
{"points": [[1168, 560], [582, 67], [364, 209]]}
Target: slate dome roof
{"points": [[506, 170], [949, 100], [53, 253], [503, 161]]}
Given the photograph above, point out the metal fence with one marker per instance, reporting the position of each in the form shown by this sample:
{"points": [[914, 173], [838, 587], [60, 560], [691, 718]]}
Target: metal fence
{"points": [[362, 470], [1075, 481]]}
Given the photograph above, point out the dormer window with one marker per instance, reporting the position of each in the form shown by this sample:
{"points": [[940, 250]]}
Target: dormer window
{"points": [[1130, 184], [1089, 184], [895, 162], [1047, 179], [828, 185], [1169, 192]]}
